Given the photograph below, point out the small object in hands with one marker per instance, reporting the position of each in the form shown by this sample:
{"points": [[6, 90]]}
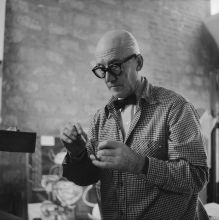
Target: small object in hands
{"points": [[93, 146], [82, 137]]}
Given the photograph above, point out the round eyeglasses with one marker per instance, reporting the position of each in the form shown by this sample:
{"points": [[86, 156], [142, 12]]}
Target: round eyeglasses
{"points": [[114, 68]]}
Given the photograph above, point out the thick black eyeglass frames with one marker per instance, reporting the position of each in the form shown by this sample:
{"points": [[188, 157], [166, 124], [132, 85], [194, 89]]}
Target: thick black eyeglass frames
{"points": [[114, 68]]}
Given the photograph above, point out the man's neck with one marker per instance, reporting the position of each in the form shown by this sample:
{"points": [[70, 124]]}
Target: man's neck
{"points": [[138, 87]]}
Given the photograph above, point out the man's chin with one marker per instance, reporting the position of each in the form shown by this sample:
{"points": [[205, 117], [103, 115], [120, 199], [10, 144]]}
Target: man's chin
{"points": [[117, 92], [118, 95]]}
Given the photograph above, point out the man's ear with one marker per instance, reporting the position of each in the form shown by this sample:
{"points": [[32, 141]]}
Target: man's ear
{"points": [[139, 62]]}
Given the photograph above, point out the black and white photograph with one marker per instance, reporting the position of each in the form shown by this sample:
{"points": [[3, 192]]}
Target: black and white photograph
{"points": [[109, 109]]}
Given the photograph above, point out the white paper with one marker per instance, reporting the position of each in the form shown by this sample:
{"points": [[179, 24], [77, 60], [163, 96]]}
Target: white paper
{"points": [[212, 209]]}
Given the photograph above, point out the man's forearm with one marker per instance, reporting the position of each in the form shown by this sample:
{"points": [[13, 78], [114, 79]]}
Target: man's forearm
{"points": [[178, 176]]}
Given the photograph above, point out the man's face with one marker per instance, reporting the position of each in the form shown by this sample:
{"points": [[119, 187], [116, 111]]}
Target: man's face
{"points": [[124, 84]]}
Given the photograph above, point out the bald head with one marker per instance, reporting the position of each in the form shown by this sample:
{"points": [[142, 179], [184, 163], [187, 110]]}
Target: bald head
{"points": [[116, 43]]}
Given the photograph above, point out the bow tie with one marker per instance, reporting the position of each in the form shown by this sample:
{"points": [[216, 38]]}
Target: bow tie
{"points": [[129, 100]]}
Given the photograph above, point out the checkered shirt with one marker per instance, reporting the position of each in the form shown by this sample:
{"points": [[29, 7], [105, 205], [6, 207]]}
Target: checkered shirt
{"points": [[165, 129]]}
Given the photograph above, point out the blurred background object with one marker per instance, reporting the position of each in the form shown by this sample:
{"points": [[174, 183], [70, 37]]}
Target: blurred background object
{"points": [[95, 210]]}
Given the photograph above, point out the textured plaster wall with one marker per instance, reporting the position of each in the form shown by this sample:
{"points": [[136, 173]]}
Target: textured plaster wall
{"points": [[49, 48]]}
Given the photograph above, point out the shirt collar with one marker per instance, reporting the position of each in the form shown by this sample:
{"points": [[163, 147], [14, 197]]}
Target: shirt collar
{"points": [[143, 92]]}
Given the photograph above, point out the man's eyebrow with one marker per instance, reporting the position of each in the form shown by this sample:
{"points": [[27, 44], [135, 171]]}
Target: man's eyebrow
{"points": [[99, 64], [110, 62], [114, 61]]}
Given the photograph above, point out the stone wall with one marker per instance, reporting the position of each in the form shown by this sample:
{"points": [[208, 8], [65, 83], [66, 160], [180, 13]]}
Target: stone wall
{"points": [[49, 47]]}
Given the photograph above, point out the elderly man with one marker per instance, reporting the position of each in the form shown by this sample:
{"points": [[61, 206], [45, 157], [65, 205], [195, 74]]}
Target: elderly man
{"points": [[144, 149]]}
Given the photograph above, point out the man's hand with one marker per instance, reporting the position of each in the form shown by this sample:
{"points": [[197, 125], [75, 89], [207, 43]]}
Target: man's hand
{"points": [[117, 155], [73, 137]]}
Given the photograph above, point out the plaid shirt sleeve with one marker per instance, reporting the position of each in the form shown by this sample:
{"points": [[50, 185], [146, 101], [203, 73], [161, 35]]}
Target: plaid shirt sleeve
{"points": [[186, 169]]}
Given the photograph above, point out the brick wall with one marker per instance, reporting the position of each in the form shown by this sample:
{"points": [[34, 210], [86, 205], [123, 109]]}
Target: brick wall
{"points": [[49, 48]]}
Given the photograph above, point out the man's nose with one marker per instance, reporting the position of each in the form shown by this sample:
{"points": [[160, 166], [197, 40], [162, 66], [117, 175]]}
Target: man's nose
{"points": [[109, 77]]}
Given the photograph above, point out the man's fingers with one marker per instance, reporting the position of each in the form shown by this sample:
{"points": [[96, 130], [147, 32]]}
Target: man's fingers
{"points": [[107, 159], [72, 138], [81, 132], [106, 152], [92, 157], [102, 164], [103, 160], [79, 128], [70, 134], [106, 145], [66, 138], [70, 131], [62, 136], [69, 126]]}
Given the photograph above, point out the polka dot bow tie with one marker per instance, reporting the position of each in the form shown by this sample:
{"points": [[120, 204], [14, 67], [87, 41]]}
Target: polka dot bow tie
{"points": [[122, 103]]}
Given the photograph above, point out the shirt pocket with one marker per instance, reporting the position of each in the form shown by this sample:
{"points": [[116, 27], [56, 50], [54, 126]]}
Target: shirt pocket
{"points": [[150, 148]]}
